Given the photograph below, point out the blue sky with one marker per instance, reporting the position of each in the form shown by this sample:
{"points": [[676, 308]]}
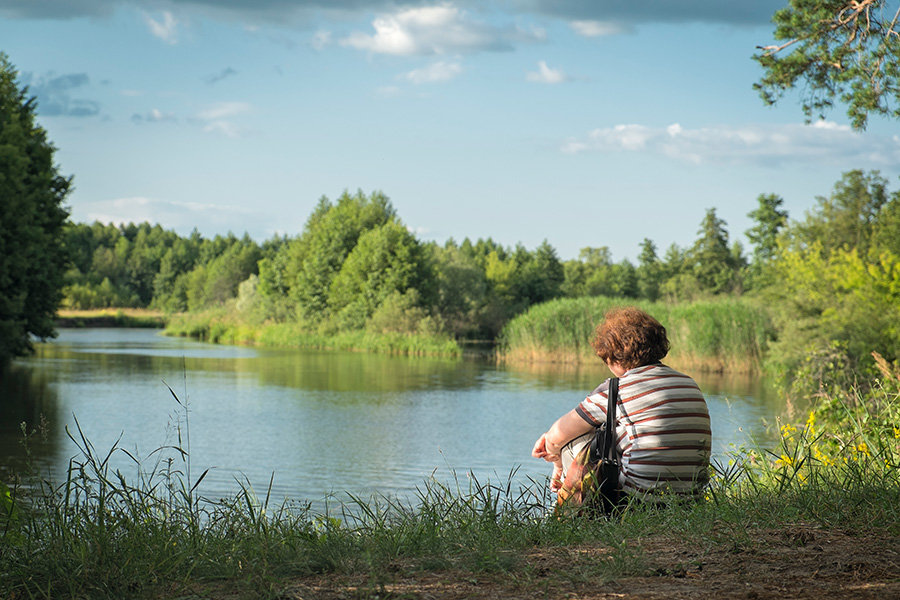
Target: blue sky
{"points": [[584, 123]]}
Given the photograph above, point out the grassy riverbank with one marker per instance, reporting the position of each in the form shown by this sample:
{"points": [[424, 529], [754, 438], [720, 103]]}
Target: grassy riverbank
{"points": [[821, 508], [726, 334], [111, 317], [220, 326]]}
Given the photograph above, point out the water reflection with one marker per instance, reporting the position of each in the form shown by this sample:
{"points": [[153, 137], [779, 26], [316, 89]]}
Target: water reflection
{"points": [[28, 404], [320, 421]]}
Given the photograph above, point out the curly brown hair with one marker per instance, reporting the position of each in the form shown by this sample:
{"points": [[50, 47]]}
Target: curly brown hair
{"points": [[631, 338]]}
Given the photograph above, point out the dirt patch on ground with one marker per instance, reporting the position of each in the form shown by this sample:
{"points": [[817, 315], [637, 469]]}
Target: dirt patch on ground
{"points": [[799, 562]]}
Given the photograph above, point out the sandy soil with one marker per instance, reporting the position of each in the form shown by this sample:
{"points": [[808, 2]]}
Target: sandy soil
{"points": [[800, 562]]}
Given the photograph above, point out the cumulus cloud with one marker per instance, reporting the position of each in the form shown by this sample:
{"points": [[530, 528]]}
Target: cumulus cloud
{"points": [[54, 94], [545, 74], [217, 118], [443, 29], [165, 29], [169, 213], [153, 116], [767, 145], [592, 28], [217, 77], [434, 73]]}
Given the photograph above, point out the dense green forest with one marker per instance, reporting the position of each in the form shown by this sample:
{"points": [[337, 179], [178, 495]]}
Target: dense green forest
{"points": [[829, 281], [355, 261]]}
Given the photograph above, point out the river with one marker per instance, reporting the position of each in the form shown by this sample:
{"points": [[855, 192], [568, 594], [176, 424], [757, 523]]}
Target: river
{"points": [[322, 422]]}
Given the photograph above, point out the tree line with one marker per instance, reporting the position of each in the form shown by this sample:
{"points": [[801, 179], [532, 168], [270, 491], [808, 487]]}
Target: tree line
{"points": [[356, 265]]}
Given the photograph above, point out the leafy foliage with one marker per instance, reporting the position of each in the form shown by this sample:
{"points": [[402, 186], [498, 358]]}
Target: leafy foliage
{"points": [[837, 275], [847, 50], [32, 192]]}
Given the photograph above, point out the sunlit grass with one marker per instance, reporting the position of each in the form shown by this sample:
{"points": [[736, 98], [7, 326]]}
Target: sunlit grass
{"points": [[110, 317], [220, 326], [727, 334]]}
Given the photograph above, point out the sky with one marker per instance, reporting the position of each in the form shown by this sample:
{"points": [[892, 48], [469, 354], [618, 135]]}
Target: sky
{"points": [[583, 123]]}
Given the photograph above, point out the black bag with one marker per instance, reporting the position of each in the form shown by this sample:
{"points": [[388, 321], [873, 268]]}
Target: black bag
{"points": [[592, 480]]}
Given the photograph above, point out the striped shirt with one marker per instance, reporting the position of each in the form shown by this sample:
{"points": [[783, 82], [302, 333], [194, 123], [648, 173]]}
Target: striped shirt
{"points": [[662, 429]]}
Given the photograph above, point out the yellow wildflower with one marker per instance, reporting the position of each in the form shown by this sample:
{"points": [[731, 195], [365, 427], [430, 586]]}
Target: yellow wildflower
{"points": [[862, 448], [784, 461], [787, 429], [811, 423], [822, 457]]}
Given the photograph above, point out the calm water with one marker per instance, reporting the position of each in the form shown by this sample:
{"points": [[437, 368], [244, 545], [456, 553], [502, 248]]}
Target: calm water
{"points": [[321, 422]]}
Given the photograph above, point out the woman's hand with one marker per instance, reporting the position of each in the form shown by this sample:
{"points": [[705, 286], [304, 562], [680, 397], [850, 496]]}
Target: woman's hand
{"points": [[567, 427], [540, 450], [540, 447], [556, 480]]}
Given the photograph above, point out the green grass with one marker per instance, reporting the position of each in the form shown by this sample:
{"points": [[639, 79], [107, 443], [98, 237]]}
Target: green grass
{"points": [[219, 326], [110, 317], [718, 335], [100, 535]]}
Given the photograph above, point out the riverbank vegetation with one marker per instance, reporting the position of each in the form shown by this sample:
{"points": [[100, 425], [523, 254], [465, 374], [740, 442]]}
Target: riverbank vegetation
{"points": [[111, 317], [817, 296], [727, 334], [825, 286], [99, 534]]}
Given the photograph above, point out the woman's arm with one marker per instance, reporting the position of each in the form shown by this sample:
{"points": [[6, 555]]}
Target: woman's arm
{"points": [[566, 428]]}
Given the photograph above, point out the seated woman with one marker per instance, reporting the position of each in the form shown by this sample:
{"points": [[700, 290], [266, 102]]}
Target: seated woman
{"points": [[662, 422]]}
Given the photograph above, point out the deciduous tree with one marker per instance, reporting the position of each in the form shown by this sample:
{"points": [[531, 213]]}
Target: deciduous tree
{"points": [[32, 216]]}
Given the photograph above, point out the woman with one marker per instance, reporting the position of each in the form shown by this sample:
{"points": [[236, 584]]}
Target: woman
{"points": [[662, 424]]}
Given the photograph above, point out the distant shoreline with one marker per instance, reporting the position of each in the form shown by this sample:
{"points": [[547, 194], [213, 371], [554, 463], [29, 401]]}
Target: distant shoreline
{"points": [[111, 317]]}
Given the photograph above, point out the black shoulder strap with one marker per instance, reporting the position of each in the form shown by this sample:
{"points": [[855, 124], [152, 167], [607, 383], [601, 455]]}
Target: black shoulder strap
{"points": [[611, 400]]}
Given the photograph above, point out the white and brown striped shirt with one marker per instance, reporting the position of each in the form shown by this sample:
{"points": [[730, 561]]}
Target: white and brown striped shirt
{"points": [[662, 428]]}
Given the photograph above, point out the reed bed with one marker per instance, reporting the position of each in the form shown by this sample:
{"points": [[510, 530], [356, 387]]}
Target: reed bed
{"points": [[111, 317], [724, 335]]}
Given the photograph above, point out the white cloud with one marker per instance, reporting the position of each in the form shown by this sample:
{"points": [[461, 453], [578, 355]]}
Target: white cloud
{"points": [[217, 118], [768, 145], [320, 39], [165, 29], [597, 28], [434, 73], [153, 116], [222, 110], [226, 128], [169, 213], [545, 74], [442, 29]]}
